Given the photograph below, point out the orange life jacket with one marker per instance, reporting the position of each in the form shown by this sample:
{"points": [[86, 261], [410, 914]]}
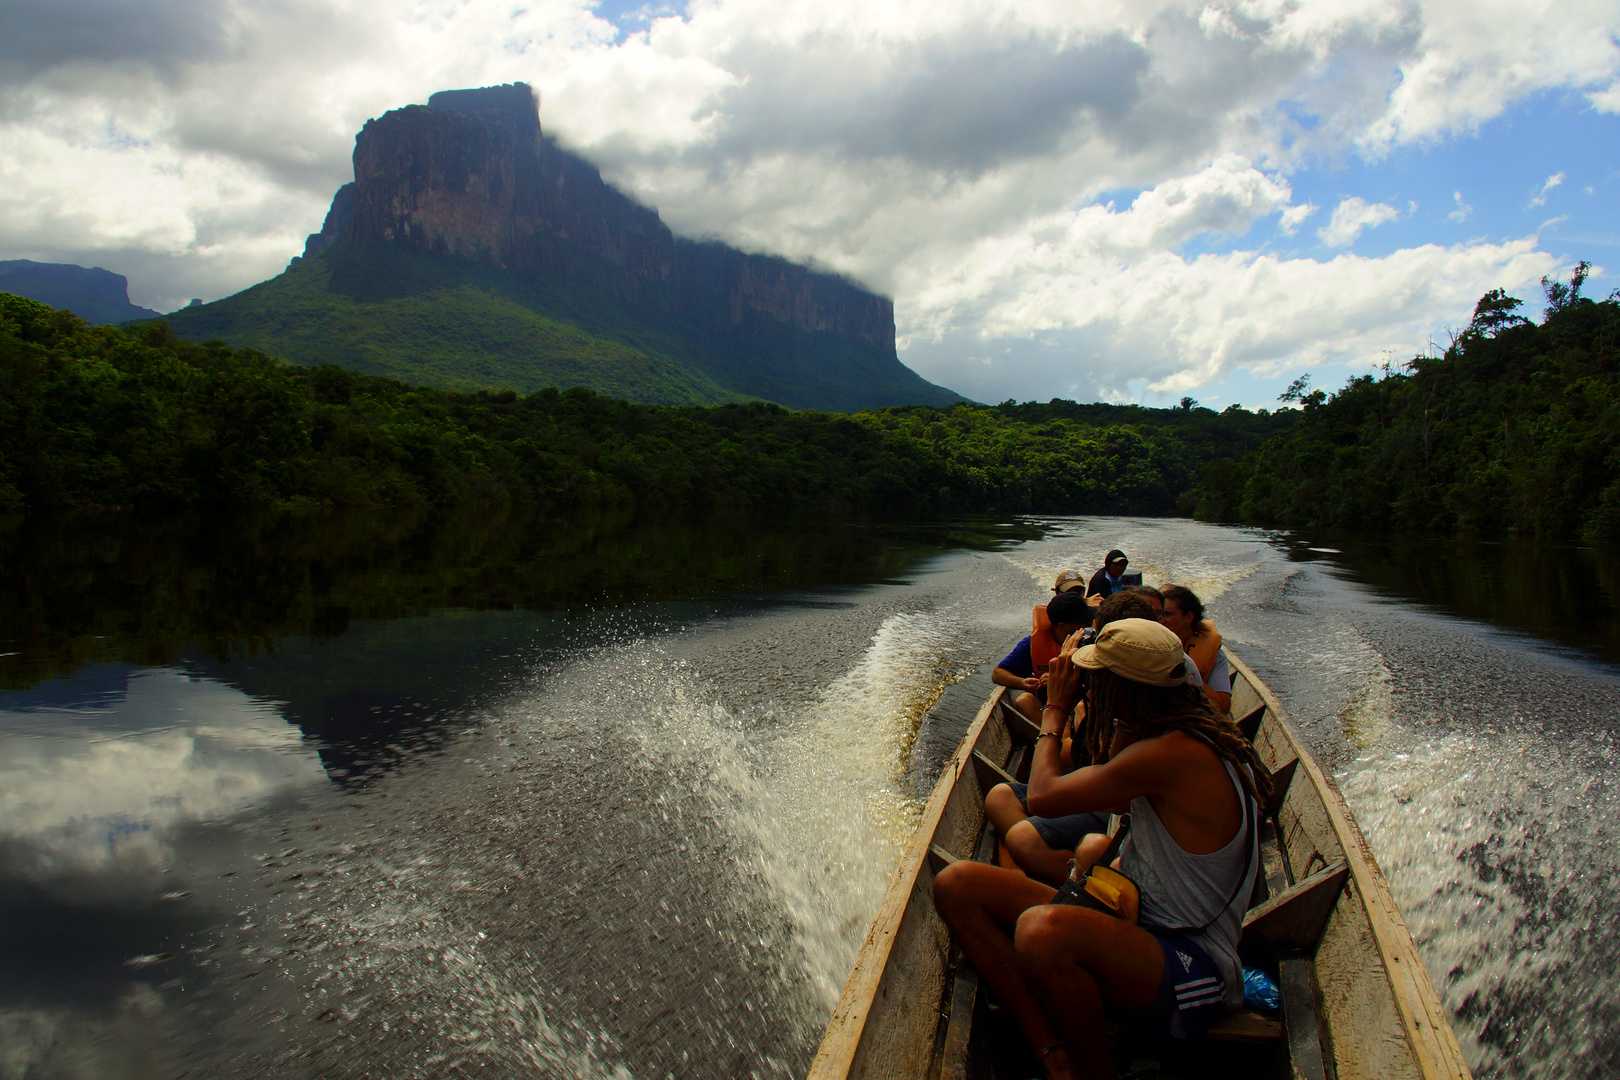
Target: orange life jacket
{"points": [[1043, 646], [1204, 648]]}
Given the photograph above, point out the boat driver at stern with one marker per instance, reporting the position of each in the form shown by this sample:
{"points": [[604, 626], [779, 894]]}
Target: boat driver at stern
{"points": [[1186, 775]]}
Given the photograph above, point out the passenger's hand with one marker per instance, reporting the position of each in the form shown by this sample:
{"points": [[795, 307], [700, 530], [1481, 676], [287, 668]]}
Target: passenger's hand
{"points": [[1063, 678], [1044, 677], [1032, 684]]}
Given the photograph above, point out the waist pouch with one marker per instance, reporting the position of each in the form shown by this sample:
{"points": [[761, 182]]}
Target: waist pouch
{"points": [[1104, 889], [1107, 890]]}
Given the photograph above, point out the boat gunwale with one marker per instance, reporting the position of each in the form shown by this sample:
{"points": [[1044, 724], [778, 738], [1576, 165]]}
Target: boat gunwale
{"points": [[1428, 1028], [835, 1056]]}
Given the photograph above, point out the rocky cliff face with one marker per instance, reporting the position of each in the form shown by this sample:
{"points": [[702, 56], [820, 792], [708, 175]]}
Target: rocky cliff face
{"points": [[471, 175], [93, 294], [338, 219]]}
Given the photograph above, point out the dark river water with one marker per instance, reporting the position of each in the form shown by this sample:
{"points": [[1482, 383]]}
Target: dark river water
{"points": [[606, 797]]}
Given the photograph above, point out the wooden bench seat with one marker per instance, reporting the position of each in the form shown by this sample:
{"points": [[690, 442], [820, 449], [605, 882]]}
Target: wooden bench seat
{"points": [[1246, 1025]]}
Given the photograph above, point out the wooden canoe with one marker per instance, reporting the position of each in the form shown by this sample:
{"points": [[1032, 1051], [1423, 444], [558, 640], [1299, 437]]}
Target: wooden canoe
{"points": [[907, 1009]]}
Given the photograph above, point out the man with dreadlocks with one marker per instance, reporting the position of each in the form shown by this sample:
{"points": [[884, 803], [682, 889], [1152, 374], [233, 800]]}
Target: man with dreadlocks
{"points": [[1186, 776], [1043, 847]]}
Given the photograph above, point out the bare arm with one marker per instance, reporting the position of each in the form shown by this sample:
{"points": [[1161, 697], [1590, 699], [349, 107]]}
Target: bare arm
{"points": [[1139, 769], [1186, 782], [1063, 702], [1002, 677]]}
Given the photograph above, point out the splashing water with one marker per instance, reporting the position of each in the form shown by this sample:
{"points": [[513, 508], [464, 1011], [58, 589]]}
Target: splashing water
{"points": [[613, 875], [1498, 846], [817, 799], [829, 814]]}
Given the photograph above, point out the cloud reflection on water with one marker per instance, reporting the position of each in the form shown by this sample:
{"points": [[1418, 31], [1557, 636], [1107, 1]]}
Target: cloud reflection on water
{"points": [[97, 772]]}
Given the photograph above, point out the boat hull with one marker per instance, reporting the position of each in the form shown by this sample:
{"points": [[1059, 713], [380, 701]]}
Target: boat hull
{"points": [[1379, 1014]]}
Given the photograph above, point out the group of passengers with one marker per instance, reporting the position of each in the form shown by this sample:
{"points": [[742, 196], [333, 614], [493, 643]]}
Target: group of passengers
{"points": [[1130, 690]]}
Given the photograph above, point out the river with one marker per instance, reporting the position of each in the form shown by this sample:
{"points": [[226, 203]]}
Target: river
{"points": [[608, 797]]}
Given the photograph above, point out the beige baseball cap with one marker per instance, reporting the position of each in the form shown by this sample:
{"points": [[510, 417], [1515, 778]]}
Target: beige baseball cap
{"points": [[1069, 579], [1138, 650]]}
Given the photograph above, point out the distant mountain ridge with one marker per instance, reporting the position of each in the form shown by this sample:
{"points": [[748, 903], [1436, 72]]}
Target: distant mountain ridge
{"points": [[465, 205], [93, 294]]}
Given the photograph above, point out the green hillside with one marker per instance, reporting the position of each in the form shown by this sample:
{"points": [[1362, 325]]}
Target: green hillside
{"points": [[448, 323], [95, 417], [386, 309]]}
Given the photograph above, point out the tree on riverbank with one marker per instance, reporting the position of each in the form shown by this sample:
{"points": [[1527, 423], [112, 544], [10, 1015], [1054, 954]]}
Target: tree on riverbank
{"points": [[1513, 429], [101, 417]]}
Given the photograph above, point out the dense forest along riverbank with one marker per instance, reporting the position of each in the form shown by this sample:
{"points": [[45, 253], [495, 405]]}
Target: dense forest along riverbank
{"points": [[617, 798]]}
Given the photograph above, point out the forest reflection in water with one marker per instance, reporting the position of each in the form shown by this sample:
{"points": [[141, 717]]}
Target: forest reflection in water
{"points": [[86, 589], [1565, 595]]}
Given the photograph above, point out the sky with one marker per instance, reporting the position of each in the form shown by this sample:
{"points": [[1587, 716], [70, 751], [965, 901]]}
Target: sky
{"points": [[1087, 199]]}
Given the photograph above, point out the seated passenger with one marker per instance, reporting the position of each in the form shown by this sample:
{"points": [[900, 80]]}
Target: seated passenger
{"points": [[1150, 595], [1068, 579], [1024, 669], [1107, 581], [1042, 846], [1044, 643], [1184, 614], [1187, 777], [1153, 598]]}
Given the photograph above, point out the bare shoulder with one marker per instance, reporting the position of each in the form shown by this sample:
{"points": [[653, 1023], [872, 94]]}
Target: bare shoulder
{"points": [[1170, 760], [1173, 751], [1179, 744]]}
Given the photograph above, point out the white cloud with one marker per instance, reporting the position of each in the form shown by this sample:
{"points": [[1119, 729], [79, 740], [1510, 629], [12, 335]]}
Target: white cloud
{"points": [[1294, 217], [1183, 323], [1350, 217], [957, 154], [1042, 274], [1471, 60], [1463, 210], [1606, 100], [1553, 181]]}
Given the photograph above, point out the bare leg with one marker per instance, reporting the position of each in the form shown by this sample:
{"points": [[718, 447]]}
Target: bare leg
{"points": [[1090, 850], [1023, 842], [1003, 809], [1029, 705], [1079, 962], [981, 904]]}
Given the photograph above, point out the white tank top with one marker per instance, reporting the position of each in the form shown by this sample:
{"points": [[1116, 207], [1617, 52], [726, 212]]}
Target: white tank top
{"points": [[1182, 889]]}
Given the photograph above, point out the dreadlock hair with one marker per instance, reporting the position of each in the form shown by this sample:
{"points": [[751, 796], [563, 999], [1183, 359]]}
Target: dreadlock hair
{"points": [[1127, 603], [1159, 710]]}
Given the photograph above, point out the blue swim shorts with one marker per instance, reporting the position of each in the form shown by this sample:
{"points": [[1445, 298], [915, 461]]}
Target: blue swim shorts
{"points": [[1192, 994], [1061, 833]]}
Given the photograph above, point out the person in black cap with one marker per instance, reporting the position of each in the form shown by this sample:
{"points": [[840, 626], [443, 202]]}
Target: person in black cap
{"points": [[1108, 580]]}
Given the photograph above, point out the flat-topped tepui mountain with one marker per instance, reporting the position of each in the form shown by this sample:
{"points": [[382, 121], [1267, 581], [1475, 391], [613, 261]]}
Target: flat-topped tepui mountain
{"points": [[93, 294], [472, 251]]}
